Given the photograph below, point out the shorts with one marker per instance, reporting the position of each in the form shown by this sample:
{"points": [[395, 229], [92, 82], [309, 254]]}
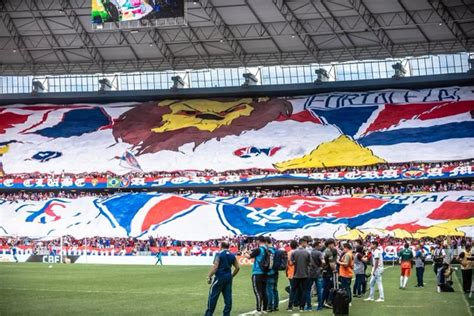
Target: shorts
{"points": [[406, 268]]}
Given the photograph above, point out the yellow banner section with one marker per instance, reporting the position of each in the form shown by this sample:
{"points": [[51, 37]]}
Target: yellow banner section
{"points": [[343, 151]]}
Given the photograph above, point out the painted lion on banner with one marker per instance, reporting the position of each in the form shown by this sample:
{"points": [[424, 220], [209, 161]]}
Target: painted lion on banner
{"points": [[167, 125]]}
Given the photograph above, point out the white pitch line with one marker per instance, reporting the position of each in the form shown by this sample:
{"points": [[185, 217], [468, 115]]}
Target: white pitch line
{"points": [[82, 291]]}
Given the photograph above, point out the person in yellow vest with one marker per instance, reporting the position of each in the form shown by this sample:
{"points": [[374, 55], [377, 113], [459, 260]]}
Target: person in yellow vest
{"points": [[346, 269]]}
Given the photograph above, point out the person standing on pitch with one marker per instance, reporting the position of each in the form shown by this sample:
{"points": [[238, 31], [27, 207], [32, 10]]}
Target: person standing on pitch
{"points": [[330, 258], [259, 276], [14, 250], [406, 256], [301, 259], [346, 269], [272, 281], [158, 257], [420, 265], [222, 283], [290, 272], [377, 271], [315, 276]]}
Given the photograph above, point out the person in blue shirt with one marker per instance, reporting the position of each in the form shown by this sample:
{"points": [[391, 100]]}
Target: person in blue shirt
{"points": [[272, 281], [259, 277], [222, 282], [13, 249], [159, 259]]}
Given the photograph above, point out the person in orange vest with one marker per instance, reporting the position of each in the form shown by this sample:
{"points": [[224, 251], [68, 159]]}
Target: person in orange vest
{"points": [[346, 269], [290, 271]]}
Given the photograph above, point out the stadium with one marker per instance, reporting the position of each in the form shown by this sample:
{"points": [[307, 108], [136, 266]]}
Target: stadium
{"points": [[236, 157]]}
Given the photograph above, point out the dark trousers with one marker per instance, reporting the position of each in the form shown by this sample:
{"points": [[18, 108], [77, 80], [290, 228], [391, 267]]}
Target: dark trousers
{"points": [[419, 275], [446, 287], [328, 284], [466, 280], [259, 283], [359, 284], [346, 284], [319, 291], [219, 286], [300, 288], [291, 300], [272, 291]]}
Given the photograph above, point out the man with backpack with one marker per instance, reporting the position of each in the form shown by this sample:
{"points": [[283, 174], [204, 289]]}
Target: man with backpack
{"points": [[260, 267], [301, 259], [277, 263]]}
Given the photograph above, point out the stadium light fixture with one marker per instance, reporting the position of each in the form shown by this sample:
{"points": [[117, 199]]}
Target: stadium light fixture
{"points": [[104, 85], [322, 75], [178, 82], [249, 79], [399, 71], [37, 87]]}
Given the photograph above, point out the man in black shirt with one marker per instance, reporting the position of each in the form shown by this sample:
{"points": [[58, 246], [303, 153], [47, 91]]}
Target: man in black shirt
{"points": [[301, 260], [330, 258]]}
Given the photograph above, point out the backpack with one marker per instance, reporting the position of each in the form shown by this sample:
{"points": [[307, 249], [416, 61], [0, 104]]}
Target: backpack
{"points": [[280, 260], [267, 261]]}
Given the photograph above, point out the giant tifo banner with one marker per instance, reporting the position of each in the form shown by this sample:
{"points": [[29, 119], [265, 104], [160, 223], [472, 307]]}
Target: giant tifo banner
{"points": [[324, 130], [193, 180], [203, 217]]}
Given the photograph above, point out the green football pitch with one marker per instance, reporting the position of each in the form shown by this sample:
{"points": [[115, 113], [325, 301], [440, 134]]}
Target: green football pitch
{"points": [[35, 289]]}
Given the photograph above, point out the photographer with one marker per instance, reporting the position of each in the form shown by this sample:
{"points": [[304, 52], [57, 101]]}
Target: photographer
{"points": [[467, 265], [444, 278]]}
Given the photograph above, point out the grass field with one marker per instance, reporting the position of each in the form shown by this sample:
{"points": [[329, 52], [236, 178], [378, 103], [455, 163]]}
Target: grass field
{"points": [[34, 289]]}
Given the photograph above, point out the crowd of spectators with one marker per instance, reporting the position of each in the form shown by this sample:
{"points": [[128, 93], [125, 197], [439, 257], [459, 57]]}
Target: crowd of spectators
{"points": [[326, 190], [243, 172], [239, 243]]}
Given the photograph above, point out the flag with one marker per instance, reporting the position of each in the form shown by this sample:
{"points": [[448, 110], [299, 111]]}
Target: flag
{"points": [[113, 182], [129, 161]]}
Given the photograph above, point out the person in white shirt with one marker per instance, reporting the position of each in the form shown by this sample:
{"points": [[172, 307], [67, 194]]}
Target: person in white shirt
{"points": [[376, 275]]}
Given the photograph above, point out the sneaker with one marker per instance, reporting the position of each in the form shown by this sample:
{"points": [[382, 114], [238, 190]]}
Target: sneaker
{"points": [[276, 309], [289, 309], [327, 305], [380, 300], [301, 310], [368, 299]]}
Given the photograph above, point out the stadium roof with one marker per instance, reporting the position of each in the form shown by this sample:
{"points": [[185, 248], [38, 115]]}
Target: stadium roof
{"points": [[46, 37]]}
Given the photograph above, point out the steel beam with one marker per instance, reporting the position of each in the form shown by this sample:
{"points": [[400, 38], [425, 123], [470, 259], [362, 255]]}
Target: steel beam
{"points": [[448, 20], [298, 28], [373, 24], [89, 44], [230, 60], [16, 37], [223, 29]]}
